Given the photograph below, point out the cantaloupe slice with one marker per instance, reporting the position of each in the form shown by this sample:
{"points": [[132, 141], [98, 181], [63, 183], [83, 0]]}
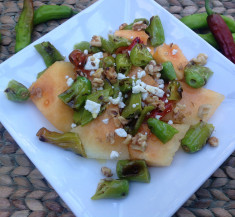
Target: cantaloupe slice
{"points": [[157, 153], [93, 137], [45, 91], [131, 35], [174, 54]]}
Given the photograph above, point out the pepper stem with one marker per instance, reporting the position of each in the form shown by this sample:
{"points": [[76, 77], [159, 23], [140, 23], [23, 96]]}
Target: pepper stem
{"points": [[208, 9]]}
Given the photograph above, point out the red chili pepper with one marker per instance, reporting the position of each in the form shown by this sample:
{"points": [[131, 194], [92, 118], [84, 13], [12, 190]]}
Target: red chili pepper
{"points": [[221, 32], [168, 108], [129, 48], [78, 59]]}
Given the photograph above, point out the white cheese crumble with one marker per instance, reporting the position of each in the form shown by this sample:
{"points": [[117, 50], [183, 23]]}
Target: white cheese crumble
{"points": [[93, 61], [114, 155], [141, 74], [170, 122], [69, 82], [85, 52], [66, 77], [93, 108], [73, 125], [174, 52], [98, 55], [121, 132], [160, 81], [144, 96], [134, 105], [148, 49], [114, 55], [117, 101], [158, 116], [166, 101], [133, 77], [129, 52], [155, 90], [131, 37], [92, 72], [105, 121], [121, 76], [161, 86]]}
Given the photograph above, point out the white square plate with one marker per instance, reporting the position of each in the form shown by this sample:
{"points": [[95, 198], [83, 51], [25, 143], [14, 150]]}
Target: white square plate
{"points": [[75, 178]]}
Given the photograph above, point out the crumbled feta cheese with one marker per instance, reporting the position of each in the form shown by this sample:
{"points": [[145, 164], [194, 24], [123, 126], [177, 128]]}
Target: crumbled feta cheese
{"points": [[155, 90], [100, 88], [174, 52], [158, 116], [170, 122], [73, 125], [117, 101], [121, 105], [66, 77], [85, 52], [131, 37], [160, 81], [121, 76], [134, 105], [138, 87], [167, 95], [93, 108], [114, 55], [92, 72], [93, 61], [166, 101], [114, 155], [69, 82], [148, 49], [129, 52], [144, 96], [141, 74], [121, 132], [126, 95], [105, 121], [98, 55], [161, 86]]}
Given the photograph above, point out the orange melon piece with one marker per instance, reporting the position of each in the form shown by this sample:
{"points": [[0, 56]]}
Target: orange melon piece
{"points": [[157, 153], [45, 91], [173, 54], [130, 35], [93, 137]]}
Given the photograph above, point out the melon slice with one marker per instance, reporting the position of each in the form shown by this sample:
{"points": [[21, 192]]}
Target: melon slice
{"points": [[45, 91]]}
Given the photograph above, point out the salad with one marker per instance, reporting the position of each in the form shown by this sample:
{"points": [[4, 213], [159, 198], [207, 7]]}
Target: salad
{"points": [[130, 97]]}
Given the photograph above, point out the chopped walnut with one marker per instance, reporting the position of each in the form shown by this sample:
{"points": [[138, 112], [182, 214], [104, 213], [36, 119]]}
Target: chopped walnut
{"points": [[36, 92], [122, 26], [178, 113], [110, 137], [127, 140], [200, 60], [106, 171], [138, 26], [153, 69], [114, 112], [98, 73], [203, 111], [97, 82], [123, 120], [139, 142], [117, 122], [213, 141], [96, 41], [111, 74], [156, 102]]}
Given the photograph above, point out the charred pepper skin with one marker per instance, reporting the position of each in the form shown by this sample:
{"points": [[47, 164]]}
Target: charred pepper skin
{"points": [[24, 26], [221, 32]]}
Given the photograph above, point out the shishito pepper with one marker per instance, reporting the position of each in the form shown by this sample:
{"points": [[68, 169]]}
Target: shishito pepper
{"points": [[108, 61], [174, 90], [111, 189], [133, 170], [52, 12], [168, 72], [24, 26], [83, 45], [129, 27], [123, 63]]}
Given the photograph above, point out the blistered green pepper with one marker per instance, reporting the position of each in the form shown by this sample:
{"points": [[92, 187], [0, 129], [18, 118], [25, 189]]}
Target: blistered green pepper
{"points": [[133, 170], [76, 95], [129, 27], [125, 85], [108, 61], [168, 72], [118, 41], [174, 90], [107, 45], [49, 53], [17, 92], [123, 64], [111, 189], [141, 118], [140, 55], [82, 117], [83, 45], [108, 86], [163, 131], [95, 49], [156, 31], [196, 137], [133, 107], [197, 76], [116, 89], [67, 140]]}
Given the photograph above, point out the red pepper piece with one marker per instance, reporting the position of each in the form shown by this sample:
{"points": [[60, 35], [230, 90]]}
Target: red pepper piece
{"points": [[129, 48], [168, 108], [221, 32], [78, 58]]}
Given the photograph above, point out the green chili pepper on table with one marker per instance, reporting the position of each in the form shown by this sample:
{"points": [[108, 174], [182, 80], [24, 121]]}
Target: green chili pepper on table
{"points": [[156, 31], [123, 64], [67, 140], [197, 76], [111, 189], [24, 26], [133, 170], [129, 27], [168, 72], [52, 12], [163, 131], [17, 92], [174, 90], [196, 137]]}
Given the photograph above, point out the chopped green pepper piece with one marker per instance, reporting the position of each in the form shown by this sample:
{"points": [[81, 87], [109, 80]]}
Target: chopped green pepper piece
{"points": [[174, 90], [123, 64], [107, 46], [116, 89], [108, 86], [129, 27], [118, 41], [83, 45], [156, 31], [108, 61], [95, 49], [17, 92], [197, 76], [111, 189], [133, 107], [168, 72], [82, 117], [133, 170], [125, 85], [163, 131], [140, 56], [77, 94], [196, 137], [67, 140]]}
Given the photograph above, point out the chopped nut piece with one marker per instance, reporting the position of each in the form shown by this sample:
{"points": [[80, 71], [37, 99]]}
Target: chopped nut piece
{"points": [[213, 141], [98, 73], [139, 142], [123, 120], [153, 69], [97, 82], [154, 101], [138, 26], [110, 137], [106, 171], [200, 60], [127, 140], [122, 26], [203, 111], [111, 74], [178, 113], [96, 41]]}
